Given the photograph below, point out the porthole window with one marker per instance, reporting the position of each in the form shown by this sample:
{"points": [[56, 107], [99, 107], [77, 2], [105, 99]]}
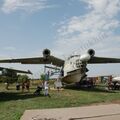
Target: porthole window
{"points": [[78, 63]]}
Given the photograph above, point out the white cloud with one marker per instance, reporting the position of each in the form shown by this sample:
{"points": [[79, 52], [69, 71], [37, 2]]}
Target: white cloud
{"points": [[108, 7], [26, 5], [100, 20]]}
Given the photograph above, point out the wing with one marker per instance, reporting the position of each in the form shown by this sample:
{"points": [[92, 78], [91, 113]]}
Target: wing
{"points": [[21, 71], [37, 60], [14, 70], [54, 68], [98, 60]]}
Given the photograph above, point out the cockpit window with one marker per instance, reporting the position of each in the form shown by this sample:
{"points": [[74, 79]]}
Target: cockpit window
{"points": [[73, 56]]}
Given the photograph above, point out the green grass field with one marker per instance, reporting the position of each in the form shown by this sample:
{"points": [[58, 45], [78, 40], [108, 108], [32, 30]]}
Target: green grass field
{"points": [[13, 104]]}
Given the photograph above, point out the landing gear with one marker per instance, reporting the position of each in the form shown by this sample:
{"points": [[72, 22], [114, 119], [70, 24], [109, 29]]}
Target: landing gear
{"points": [[86, 84]]}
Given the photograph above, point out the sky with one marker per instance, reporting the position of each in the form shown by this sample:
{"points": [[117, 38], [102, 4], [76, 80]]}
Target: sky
{"points": [[65, 27]]}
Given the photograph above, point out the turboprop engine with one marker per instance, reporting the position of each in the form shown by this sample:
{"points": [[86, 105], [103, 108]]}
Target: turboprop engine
{"points": [[91, 52], [86, 57], [46, 53]]}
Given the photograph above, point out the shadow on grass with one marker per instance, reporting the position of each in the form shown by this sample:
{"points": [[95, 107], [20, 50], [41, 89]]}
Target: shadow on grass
{"points": [[8, 96], [93, 89]]}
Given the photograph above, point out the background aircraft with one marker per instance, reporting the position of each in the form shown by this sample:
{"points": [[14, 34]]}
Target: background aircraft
{"points": [[9, 75], [12, 72], [117, 79], [73, 69]]}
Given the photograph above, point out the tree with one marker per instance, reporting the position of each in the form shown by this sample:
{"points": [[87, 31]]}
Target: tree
{"points": [[42, 77], [8, 80], [22, 78]]}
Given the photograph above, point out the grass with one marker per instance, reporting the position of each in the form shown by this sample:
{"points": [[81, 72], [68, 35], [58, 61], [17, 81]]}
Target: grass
{"points": [[13, 104]]}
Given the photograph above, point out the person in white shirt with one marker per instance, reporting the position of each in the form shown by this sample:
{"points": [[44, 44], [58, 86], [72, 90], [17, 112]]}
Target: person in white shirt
{"points": [[58, 84], [46, 88]]}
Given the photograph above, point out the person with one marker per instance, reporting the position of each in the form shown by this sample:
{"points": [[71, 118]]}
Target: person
{"points": [[47, 76], [23, 86], [58, 84], [27, 85], [17, 86], [38, 90], [7, 85], [46, 89], [109, 84]]}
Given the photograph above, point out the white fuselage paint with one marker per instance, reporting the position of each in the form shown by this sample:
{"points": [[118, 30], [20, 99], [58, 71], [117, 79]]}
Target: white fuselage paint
{"points": [[74, 69]]}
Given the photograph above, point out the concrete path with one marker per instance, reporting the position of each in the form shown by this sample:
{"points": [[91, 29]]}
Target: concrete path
{"points": [[96, 112]]}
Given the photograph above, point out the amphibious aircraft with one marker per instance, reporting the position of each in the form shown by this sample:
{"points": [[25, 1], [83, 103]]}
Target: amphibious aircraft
{"points": [[117, 79], [12, 72], [73, 69]]}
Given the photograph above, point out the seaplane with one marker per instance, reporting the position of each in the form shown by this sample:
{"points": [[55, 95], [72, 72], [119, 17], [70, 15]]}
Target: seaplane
{"points": [[73, 69]]}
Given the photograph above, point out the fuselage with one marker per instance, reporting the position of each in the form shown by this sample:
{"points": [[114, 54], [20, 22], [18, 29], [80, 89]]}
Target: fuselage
{"points": [[74, 69]]}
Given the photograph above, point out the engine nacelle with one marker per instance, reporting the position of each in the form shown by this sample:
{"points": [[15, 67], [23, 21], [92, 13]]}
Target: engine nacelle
{"points": [[86, 57], [91, 52], [46, 53]]}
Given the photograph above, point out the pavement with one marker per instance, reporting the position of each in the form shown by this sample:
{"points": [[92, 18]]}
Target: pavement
{"points": [[96, 112]]}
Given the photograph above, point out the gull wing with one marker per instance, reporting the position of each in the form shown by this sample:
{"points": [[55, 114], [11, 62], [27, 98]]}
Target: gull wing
{"points": [[101, 60], [37, 60]]}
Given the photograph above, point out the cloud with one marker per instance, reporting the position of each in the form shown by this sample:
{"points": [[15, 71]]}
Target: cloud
{"points": [[97, 25], [108, 7], [25, 5]]}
